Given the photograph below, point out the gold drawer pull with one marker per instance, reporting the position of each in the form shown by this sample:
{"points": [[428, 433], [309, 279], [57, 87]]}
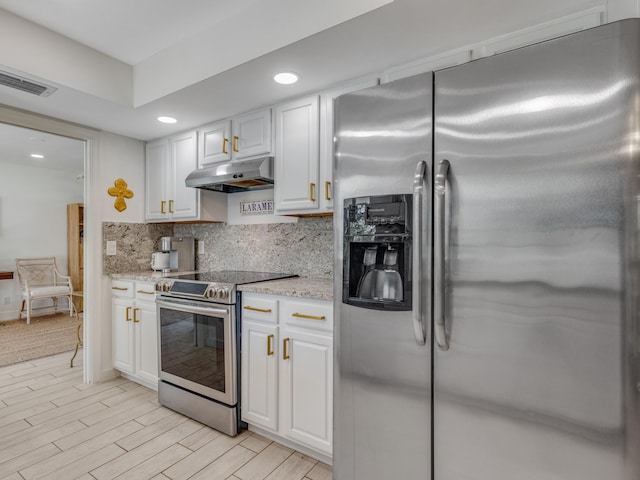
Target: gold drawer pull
{"points": [[162, 204], [127, 317], [171, 206], [145, 292], [224, 146], [235, 143], [254, 309], [135, 315], [285, 355], [310, 317], [312, 186], [326, 190], [270, 345], [120, 288]]}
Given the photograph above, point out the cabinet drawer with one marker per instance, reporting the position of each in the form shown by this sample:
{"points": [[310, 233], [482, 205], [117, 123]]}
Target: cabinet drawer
{"points": [[258, 307], [122, 288], [145, 291], [315, 314]]}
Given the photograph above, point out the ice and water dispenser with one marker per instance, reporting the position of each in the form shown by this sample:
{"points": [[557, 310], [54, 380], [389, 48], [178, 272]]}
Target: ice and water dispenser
{"points": [[377, 252]]}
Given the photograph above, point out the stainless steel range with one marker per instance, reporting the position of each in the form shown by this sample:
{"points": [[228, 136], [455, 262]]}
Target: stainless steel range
{"points": [[200, 344]]}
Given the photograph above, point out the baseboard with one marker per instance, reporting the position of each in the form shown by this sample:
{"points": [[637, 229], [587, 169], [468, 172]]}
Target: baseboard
{"points": [[8, 316]]}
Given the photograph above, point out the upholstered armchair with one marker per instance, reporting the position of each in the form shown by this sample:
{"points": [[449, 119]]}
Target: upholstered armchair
{"points": [[40, 280]]}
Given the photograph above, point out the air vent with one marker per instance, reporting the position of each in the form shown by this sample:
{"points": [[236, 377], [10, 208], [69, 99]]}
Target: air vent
{"points": [[19, 83]]}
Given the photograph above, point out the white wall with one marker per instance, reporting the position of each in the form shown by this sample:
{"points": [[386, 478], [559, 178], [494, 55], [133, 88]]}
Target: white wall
{"points": [[119, 157], [33, 221]]}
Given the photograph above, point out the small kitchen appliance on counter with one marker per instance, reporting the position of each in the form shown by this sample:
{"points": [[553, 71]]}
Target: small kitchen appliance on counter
{"points": [[160, 262], [180, 254], [199, 344]]}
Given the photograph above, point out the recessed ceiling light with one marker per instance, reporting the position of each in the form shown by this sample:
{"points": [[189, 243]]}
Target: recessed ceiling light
{"points": [[286, 78], [165, 119], [37, 155]]}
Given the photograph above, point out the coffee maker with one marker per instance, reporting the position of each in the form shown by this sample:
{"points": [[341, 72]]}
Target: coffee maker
{"points": [[181, 252], [377, 252]]}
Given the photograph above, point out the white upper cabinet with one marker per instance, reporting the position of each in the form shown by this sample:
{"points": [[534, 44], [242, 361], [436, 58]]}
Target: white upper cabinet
{"points": [[326, 136], [297, 156], [213, 143], [239, 138], [169, 161]]}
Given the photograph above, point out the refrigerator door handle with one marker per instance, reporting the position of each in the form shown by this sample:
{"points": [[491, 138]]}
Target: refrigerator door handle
{"points": [[440, 190], [419, 185]]}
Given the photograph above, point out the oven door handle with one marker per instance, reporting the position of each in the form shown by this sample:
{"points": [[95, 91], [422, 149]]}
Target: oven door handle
{"points": [[192, 309]]}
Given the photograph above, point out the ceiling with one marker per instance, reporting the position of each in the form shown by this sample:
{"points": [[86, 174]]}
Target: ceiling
{"points": [[119, 64], [60, 153]]}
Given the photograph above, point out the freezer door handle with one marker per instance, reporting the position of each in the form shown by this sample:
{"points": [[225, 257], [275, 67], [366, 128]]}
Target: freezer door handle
{"points": [[419, 184], [440, 190]]}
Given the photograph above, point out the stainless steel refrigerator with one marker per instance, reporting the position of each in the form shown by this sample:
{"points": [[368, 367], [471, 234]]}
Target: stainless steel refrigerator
{"points": [[486, 269]]}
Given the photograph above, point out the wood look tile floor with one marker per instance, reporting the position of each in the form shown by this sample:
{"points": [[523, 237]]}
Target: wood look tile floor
{"points": [[52, 426]]}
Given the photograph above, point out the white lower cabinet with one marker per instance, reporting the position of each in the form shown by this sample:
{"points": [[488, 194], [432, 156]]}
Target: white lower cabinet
{"points": [[135, 331], [287, 368]]}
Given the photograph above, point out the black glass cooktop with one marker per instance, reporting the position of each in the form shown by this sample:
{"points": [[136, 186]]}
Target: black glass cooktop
{"points": [[232, 277]]}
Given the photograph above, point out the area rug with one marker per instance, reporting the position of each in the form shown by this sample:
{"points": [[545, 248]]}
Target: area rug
{"points": [[46, 335]]}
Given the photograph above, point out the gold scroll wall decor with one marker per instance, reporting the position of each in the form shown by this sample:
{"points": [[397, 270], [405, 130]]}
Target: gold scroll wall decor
{"points": [[120, 191]]}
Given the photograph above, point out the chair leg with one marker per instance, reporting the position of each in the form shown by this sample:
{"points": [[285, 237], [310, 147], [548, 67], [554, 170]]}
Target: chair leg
{"points": [[70, 306], [29, 311], [21, 312]]}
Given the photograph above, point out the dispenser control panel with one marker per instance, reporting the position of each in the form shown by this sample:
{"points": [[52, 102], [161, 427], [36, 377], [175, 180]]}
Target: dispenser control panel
{"points": [[377, 247]]}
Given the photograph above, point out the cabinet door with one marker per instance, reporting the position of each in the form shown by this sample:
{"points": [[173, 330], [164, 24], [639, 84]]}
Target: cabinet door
{"points": [[213, 143], [122, 324], [259, 361], [297, 155], [306, 391], [251, 134], [326, 137], [146, 341], [183, 202], [156, 207]]}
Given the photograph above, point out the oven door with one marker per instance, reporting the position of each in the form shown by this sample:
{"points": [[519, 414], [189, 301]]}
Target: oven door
{"points": [[198, 347]]}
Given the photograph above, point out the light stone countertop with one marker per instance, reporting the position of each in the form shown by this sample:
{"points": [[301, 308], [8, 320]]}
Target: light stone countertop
{"points": [[304, 287], [146, 276]]}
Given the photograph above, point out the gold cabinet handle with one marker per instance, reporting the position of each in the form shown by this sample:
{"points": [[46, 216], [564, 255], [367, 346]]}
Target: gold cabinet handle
{"points": [[135, 315], [326, 190], [120, 288], [235, 143], [171, 206], [254, 309], [270, 345], [224, 146], [285, 355], [127, 314], [145, 292], [162, 202], [312, 187], [310, 317]]}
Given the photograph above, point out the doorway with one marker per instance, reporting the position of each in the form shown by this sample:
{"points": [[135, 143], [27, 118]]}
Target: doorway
{"points": [[42, 174]]}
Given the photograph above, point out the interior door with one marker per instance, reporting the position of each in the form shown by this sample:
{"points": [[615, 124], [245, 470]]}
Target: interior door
{"points": [[537, 231]]}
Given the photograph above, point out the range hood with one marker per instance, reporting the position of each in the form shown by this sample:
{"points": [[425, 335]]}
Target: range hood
{"points": [[230, 177]]}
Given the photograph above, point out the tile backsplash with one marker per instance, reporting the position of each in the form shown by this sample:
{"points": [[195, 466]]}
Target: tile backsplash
{"points": [[135, 242], [304, 248]]}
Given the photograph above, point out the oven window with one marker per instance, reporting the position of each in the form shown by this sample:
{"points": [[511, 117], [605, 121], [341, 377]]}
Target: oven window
{"points": [[192, 347]]}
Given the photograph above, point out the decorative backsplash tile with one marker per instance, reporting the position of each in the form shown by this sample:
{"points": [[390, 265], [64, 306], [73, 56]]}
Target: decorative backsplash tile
{"points": [[135, 242], [304, 248]]}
